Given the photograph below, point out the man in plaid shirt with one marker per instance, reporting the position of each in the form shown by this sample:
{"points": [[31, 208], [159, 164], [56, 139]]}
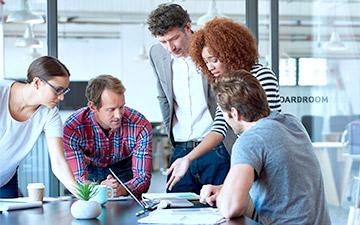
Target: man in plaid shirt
{"points": [[107, 134]]}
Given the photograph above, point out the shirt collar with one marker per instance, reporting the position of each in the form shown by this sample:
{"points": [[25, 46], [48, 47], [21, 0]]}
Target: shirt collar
{"points": [[98, 127], [187, 58]]}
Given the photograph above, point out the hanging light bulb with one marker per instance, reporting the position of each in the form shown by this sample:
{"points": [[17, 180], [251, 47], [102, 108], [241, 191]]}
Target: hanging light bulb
{"points": [[211, 13], [34, 54], [142, 56], [25, 15], [335, 43], [28, 40]]}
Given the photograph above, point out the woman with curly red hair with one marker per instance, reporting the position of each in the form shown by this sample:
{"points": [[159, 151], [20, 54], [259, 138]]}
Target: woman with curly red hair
{"points": [[223, 45]]}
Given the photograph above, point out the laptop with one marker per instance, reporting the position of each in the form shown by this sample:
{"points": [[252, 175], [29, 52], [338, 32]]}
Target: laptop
{"points": [[147, 205]]}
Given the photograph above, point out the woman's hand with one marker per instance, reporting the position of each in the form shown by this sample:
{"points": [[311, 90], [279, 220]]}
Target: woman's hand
{"points": [[177, 170]]}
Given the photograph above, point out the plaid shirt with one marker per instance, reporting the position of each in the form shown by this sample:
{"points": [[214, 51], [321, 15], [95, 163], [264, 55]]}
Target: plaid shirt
{"points": [[85, 143]]}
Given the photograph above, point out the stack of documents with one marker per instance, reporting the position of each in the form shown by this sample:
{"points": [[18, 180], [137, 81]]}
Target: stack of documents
{"points": [[184, 216]]}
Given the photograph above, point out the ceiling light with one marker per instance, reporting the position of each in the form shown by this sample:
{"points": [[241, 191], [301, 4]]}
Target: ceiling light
{"points": [[34, 54], [142, 56], [335, 43], [211, 14], [25, 15], [28, 40]]}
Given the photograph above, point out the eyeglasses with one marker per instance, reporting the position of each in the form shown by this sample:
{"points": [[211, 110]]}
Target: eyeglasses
{"points": [[58, 90]]}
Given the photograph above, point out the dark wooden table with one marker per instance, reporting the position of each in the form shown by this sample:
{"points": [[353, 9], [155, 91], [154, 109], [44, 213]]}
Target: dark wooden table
{"points": [[58, 213]]}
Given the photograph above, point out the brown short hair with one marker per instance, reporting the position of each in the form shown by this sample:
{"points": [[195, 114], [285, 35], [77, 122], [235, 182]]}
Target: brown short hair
{"points": [[97, 85], [45, 68], [241, 90], [165, 17], [232, 43]]}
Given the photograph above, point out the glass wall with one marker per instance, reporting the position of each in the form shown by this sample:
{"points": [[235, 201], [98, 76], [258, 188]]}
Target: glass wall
{"points": [[22, 40], [319, 60]]}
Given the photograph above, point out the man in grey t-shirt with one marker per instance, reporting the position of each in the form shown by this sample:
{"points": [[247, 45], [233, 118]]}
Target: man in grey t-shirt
{"points": [[273, 159]]}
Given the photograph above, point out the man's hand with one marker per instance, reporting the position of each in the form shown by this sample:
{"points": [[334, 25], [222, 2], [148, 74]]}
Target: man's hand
{"points": [[118, 190], [177, 170], [209, 193]]}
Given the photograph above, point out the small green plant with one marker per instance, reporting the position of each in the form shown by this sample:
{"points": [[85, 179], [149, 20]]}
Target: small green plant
{"points": [[86, 191]]}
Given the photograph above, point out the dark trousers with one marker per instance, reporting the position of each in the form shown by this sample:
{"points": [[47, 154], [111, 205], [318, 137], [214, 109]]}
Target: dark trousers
{"points": [[123, 169], [10, 190], [211, 168]]}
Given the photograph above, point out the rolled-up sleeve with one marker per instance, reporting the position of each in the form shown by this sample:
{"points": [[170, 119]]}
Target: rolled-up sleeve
{"points": [[142, 161], [73, 152]]}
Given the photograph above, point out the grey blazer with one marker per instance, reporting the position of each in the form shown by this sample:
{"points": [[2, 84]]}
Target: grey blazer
{"points": [[160, 60]]}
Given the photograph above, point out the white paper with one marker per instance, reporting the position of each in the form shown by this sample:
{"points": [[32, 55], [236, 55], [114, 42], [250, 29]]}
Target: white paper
{"points": [[14, 205], [46, 199], [184, 216], [120, 198]]}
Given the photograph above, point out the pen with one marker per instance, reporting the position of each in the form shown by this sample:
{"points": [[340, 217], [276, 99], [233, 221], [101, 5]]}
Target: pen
{"points": [[140, 213]]}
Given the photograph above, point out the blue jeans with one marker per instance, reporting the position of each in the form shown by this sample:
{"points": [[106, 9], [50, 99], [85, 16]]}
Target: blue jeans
{"points": [[211, 168], [10, 190], [122, 169]]}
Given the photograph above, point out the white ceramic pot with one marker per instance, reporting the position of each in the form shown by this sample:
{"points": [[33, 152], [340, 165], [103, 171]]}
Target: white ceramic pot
{"points": [[81, 209]]}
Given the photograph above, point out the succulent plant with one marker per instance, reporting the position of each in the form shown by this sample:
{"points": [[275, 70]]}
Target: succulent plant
{"points": [[86, 191]]}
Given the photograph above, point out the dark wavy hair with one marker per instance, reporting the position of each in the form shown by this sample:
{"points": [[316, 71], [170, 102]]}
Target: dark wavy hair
{"points": [[165, 17], [231, 42]]}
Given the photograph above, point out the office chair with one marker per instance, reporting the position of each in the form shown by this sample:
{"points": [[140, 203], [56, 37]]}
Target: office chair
{"points": [[314, 126]]}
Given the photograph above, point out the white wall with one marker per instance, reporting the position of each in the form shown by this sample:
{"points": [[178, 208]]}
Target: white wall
{"points": [[87, 58]]}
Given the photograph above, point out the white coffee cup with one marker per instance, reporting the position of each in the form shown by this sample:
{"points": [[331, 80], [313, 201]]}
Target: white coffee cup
{"points": [[104, 192], [36, 191]]}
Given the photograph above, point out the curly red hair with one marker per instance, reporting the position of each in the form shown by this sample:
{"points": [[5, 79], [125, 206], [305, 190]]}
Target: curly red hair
{"points": [[232, 43]]}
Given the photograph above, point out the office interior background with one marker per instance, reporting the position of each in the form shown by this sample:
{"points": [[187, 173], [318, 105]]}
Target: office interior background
{"points": [[312, 45]]}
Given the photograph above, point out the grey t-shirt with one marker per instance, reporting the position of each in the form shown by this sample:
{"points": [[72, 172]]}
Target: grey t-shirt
{"points": [[288, 186]]}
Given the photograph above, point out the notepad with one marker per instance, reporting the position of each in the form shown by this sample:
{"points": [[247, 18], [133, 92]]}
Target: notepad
{"points": [[174, 203], [179, 195]]}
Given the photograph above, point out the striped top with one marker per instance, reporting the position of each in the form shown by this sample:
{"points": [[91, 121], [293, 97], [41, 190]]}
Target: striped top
{"points": [[270, 84]]}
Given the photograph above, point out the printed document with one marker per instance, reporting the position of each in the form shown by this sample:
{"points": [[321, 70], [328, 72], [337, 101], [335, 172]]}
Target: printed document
{"points": [[184, 216]]}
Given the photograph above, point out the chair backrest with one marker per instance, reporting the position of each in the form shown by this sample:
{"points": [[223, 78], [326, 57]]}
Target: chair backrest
{"points": [[314, 126], [338, 123], [351, 137]]}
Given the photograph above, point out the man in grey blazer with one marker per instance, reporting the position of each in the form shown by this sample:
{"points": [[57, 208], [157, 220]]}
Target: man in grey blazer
{"points": [[186, 100]]}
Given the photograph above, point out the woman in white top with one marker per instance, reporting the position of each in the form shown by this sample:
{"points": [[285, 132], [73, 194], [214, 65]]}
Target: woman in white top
{"points": [[27, 110], [223, 45]]}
